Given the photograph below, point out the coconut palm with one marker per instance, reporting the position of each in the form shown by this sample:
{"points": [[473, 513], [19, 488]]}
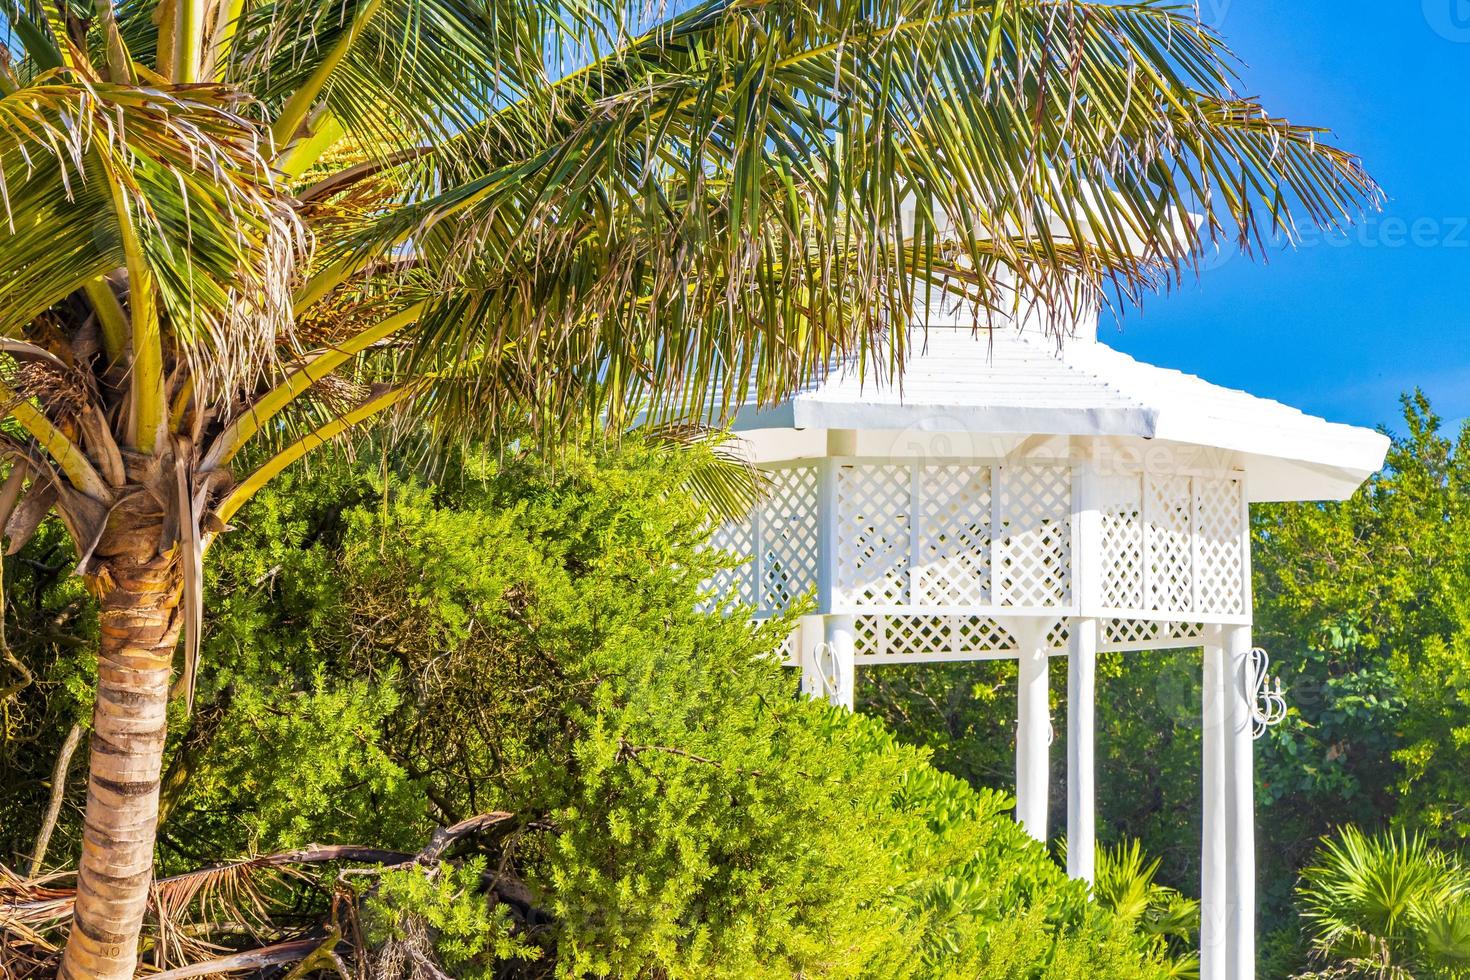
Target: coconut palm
{"points": [[1387, 906], [234, 230]]}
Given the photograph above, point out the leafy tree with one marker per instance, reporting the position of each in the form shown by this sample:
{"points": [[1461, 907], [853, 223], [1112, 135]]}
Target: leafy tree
{"points": [[1434, 682], [237, 224], [1364, 605]]}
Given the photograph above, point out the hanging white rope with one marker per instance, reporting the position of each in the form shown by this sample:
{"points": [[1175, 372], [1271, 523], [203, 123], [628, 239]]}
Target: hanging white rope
{"points": [[1268, 701], [829, 672]]}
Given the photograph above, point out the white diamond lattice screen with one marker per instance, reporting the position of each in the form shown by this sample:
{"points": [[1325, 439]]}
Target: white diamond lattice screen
{"points": [[935, 557]]}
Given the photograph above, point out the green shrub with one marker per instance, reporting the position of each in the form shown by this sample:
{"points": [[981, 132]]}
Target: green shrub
{"points": [[384, 660]]}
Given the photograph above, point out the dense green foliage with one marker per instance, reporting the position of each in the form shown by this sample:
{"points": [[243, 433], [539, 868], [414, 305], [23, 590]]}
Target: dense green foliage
{"points": [[1365, 609], [387, 660]]}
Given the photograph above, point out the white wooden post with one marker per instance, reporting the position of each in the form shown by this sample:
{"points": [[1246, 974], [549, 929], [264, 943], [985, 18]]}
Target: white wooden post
{"points": [[1214, 859], [1081, 754], [1087, 578], [829, 669], [1241, 833], [1240, 827], [841, 641], [1033, 732]]}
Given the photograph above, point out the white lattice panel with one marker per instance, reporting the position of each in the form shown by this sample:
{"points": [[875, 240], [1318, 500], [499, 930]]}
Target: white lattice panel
{"points": [[1120, 506], [976, 634], [1168, 516], [953, 553], [788, 523], [1148, 634], [1219, 547], [1034, 540], [737, 540], [1058, 634], [931, 637], [1123, 632], [1186, 631], [873, 506], [968, 539]]}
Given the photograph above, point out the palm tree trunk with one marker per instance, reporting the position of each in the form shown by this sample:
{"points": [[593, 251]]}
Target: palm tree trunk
{"points": [[140, 620]]}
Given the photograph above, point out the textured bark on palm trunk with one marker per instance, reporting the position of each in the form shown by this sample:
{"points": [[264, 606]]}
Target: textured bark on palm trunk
{"points": [[140, 620]]}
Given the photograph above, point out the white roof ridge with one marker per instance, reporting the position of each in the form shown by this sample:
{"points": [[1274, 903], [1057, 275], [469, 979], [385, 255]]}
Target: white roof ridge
{"points": [[1067, 344]]}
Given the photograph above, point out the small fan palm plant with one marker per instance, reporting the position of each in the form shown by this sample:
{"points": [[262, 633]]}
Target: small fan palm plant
{"points": [[1126, 883], [233, 230], [1387, 906]]}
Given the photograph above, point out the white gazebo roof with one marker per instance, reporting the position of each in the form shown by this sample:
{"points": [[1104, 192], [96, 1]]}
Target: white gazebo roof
{"points": [[1019, 381]]}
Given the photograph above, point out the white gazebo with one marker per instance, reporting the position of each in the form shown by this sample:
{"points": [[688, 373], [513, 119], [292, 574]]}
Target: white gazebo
{"points": [[1012, 497]]}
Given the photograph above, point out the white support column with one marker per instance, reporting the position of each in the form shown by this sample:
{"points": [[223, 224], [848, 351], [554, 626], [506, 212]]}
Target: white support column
{"points": [[837, 667], [1033, 732], [1240, 825], [829, 669], [1214, 857], [1088, 572], [1081, 743]]}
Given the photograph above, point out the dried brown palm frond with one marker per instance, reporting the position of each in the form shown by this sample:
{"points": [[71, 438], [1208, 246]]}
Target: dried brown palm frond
{"points": [[32, 912], [232, 899], [65, 392], [191, 912]]}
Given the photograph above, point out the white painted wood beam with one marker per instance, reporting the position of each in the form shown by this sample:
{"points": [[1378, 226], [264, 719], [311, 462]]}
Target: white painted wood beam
{"points": [[1214, 846], [1033, 734], [1081, 750]]}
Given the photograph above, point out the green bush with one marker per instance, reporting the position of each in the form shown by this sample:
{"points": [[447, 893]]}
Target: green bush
{"points": [[525, 639]]}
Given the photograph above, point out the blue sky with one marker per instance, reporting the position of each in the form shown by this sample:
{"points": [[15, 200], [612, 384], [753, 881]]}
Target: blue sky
{"points": [[1341, 328]]}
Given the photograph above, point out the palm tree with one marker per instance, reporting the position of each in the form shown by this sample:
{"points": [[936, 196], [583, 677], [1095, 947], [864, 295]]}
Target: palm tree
{"points": [[234, 230], [1387, 906]]}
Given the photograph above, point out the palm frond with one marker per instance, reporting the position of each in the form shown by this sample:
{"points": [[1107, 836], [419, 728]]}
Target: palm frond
{"points": [[720, 477], [414, 72], [748, 190], [1387, 904], [218, 239]]}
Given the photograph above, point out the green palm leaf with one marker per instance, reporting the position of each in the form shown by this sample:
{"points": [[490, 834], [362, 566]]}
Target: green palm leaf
{"points": [[1387, 905]]}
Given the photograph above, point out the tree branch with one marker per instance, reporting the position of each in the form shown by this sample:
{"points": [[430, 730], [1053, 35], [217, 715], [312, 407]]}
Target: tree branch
{"points": [[58, 796], [255, 959]]}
